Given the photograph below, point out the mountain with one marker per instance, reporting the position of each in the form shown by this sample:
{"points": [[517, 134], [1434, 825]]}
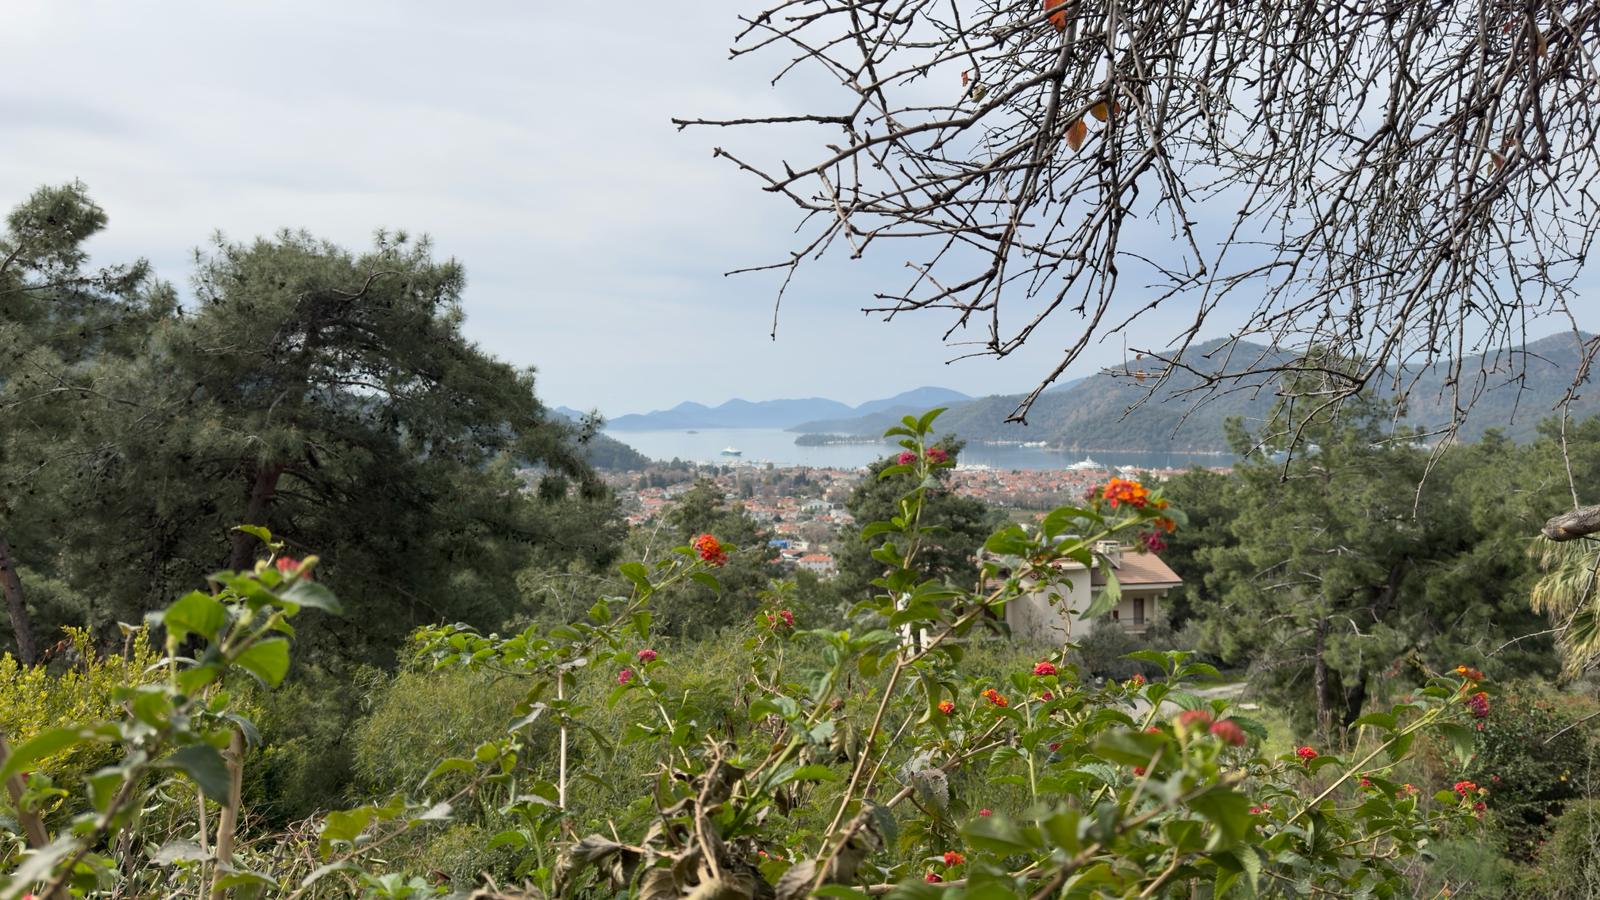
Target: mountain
{"points": [[875, 422], [1515, 391], [776, 413], [603, 451]]}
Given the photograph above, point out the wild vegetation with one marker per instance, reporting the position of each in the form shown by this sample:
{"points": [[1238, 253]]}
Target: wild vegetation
{"points": [[352, 615]]}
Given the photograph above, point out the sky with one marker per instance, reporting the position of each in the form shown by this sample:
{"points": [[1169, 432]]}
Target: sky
{"points": [[531, 141]]}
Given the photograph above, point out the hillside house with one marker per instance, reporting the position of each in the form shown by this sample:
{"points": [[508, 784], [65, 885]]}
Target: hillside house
{"points": [[1052, 613]]}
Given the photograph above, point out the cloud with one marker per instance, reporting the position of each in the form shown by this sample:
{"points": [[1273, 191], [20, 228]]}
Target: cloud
{"points": [[531, 140]]}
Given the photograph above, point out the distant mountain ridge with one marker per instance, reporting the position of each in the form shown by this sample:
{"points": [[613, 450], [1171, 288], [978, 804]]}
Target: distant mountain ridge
{"points": [[778, 413], [1092, 414]]}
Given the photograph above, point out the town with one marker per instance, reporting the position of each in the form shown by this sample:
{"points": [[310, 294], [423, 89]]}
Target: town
{"points": [[804, 506]]}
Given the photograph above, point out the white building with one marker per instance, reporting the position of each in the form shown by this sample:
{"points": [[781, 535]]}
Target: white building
{"points": [[1053, 612]]}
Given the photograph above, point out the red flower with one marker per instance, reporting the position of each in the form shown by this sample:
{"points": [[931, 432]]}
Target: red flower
{"points": [[1138, 770], [1306, 753], [710, 550], [1044, 668], [1406, 789], [946, 707], [993, 696], [1152, 541], [1464, 788], [1469, 673], [1118, 491], [937, 456], [1478, 705], [1047, 696], [1153, 729], [906, 458], [625, 676], [932, 878], [1255, 810], [1192, 718], [1137, 680], [952, 858], [1480, 806], [1365, 781], [986, 813], [1054, 746], [290, 567], [1229, 732], [787, 617], [647, 655]]}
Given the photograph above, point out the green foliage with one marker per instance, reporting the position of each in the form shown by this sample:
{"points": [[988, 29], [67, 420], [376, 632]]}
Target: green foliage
{"points": [[416, 719], [1532, 767], [956, 525], [1349, 562], [1569, 864], [82, 686], [309, 389]]}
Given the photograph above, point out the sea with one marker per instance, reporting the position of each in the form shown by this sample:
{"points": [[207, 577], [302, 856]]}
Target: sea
{"points": [[771, 445]]}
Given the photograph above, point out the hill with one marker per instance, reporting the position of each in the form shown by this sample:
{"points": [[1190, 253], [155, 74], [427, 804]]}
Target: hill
{"points": [[779, 413], [1515, 391]]}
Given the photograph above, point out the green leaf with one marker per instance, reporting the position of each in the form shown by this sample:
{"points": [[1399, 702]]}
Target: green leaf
{"points": [[1383, 720], [1249, 859], [1463, 740], [204, 765], [195, 613], [813, 772], [313, 595], [264, 534], [600, 611], [926, 422], [1229, 810], [636, 573], [41, 745], [267, 660]]}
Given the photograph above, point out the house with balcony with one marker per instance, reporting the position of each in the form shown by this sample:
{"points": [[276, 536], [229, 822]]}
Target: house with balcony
{"points": [[1053, 612]]}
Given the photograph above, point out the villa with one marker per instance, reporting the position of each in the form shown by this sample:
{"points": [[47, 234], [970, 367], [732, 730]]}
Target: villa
{"points": [[1051, 614]]}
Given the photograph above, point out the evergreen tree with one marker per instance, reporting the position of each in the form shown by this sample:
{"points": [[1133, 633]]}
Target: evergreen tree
{"points": [[961, 525], [328, 396]]}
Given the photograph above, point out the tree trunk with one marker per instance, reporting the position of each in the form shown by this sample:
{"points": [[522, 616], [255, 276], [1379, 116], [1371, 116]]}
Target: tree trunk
{"points": [[11, 585], [1319, 682], [1355, 697], [1573, 525], [261, 494]]}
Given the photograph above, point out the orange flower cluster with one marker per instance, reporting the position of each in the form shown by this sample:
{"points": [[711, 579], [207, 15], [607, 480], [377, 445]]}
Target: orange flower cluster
{"points": [[993, 696], [1120, 490], [952, 858], [1469, 673], [946, 707], [710, 550]]}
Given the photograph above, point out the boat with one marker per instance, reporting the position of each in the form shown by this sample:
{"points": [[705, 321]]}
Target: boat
{"points": [[1085, 464], [732, 451], [691, 431]]}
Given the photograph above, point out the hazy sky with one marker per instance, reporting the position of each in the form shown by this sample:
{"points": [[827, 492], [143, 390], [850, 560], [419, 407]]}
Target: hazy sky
{"points": [[530, 140]]}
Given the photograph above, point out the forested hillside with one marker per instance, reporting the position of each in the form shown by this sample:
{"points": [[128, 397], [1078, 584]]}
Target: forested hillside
{"points": [[1115, 410]]}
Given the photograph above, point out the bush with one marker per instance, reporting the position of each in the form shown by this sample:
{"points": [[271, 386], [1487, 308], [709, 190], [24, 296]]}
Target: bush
{"points": [[1529, 779], [77, 689], [1460, 869], [420, 718], [1569, 864]]}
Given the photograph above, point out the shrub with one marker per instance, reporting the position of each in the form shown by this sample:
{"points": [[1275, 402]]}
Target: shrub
{"points": [[1569, 863], [81, 687], [1529, 775]]}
